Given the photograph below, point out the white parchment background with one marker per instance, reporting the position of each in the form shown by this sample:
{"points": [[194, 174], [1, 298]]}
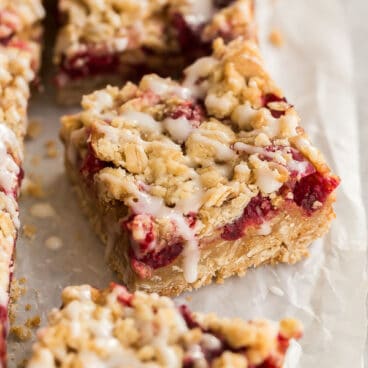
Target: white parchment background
{"points": [[328, 290]]}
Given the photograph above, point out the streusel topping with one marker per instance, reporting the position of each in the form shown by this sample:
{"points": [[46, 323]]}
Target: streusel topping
{"points": [[15, 75], [120, 25], [112, 328]]}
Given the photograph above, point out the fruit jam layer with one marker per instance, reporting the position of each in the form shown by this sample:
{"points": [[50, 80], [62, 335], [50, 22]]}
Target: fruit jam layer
{"points": [[3, 332]]}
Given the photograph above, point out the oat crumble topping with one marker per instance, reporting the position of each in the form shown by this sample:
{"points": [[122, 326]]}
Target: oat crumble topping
{"points": [[113, 327]]}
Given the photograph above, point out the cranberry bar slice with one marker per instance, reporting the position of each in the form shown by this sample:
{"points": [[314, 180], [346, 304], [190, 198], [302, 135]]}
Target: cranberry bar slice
{"points": [[190, 182], [15, 75], [104, 42], [20, 26], [113, 328]]}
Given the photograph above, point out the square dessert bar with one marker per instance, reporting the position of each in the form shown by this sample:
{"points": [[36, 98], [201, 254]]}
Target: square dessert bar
{"points": [[103, 42], [17, 71], [20, 26], [200, 180], [113, 328]]}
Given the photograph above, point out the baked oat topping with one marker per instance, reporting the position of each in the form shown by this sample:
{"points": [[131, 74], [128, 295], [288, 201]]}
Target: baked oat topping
{"points": [[15, 75], [112, 328], [220, 152]]}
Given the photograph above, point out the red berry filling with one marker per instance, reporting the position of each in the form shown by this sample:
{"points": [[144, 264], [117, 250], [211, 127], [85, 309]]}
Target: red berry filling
{"points": [[222, 3], [3, 324], [193, 112], [124, 297], [91, 164], [270, 97], [258, 209], [90, 62], [312, 189], [148, 252], [158, 259]]}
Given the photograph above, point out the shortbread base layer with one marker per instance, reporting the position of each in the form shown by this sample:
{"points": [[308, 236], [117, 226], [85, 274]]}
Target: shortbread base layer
{"points": [[288, 242]]}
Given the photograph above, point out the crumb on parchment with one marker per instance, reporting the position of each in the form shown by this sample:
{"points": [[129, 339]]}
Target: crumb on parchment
{"points": [[34, 129], [22, 333], [276, 38], [51, 148], [32, 187], [42, 210], [29, 231]]}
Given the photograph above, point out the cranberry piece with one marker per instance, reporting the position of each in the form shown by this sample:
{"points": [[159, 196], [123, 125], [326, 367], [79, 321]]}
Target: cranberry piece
{"points": [[193, 112], [270, 97], [141, 269], [258, 209], [188, 36], [143, 224], [222, 3], [188, 316], [270, 362], [163, 257], [191, 219], [5, 40], [91, 164], [89, 62], [312, 188], [125, 298], [3, 323], [283, 343]]}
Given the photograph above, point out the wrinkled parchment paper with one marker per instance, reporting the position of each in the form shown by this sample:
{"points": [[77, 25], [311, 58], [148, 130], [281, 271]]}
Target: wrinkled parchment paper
{"points": [[327, 291]]}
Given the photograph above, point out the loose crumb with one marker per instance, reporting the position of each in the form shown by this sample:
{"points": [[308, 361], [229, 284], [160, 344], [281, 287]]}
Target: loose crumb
{"points": [[35, 160], [20, 332], [51, 149], [34, 129], [54, 242], [22, 364], [42, 210], [27, 307], [32, 188], [22, 280], [276, 38], [29, 231], [33, 322], [188, 298]]}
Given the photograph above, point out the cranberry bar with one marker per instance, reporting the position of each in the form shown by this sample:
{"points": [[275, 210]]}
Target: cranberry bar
{"points": [[113, 328], [19, 59], [104, 42], [15, 75], [20, 26], [190, 182]]}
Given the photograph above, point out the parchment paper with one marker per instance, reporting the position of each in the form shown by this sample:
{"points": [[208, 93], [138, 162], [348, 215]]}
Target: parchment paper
{"points": [[327, 291]]}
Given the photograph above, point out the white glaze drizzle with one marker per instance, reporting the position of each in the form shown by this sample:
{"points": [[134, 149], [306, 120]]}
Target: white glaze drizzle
{"points": [[200, 12], [156, 207], [142, 120], [223, 152], [179, 129]]}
